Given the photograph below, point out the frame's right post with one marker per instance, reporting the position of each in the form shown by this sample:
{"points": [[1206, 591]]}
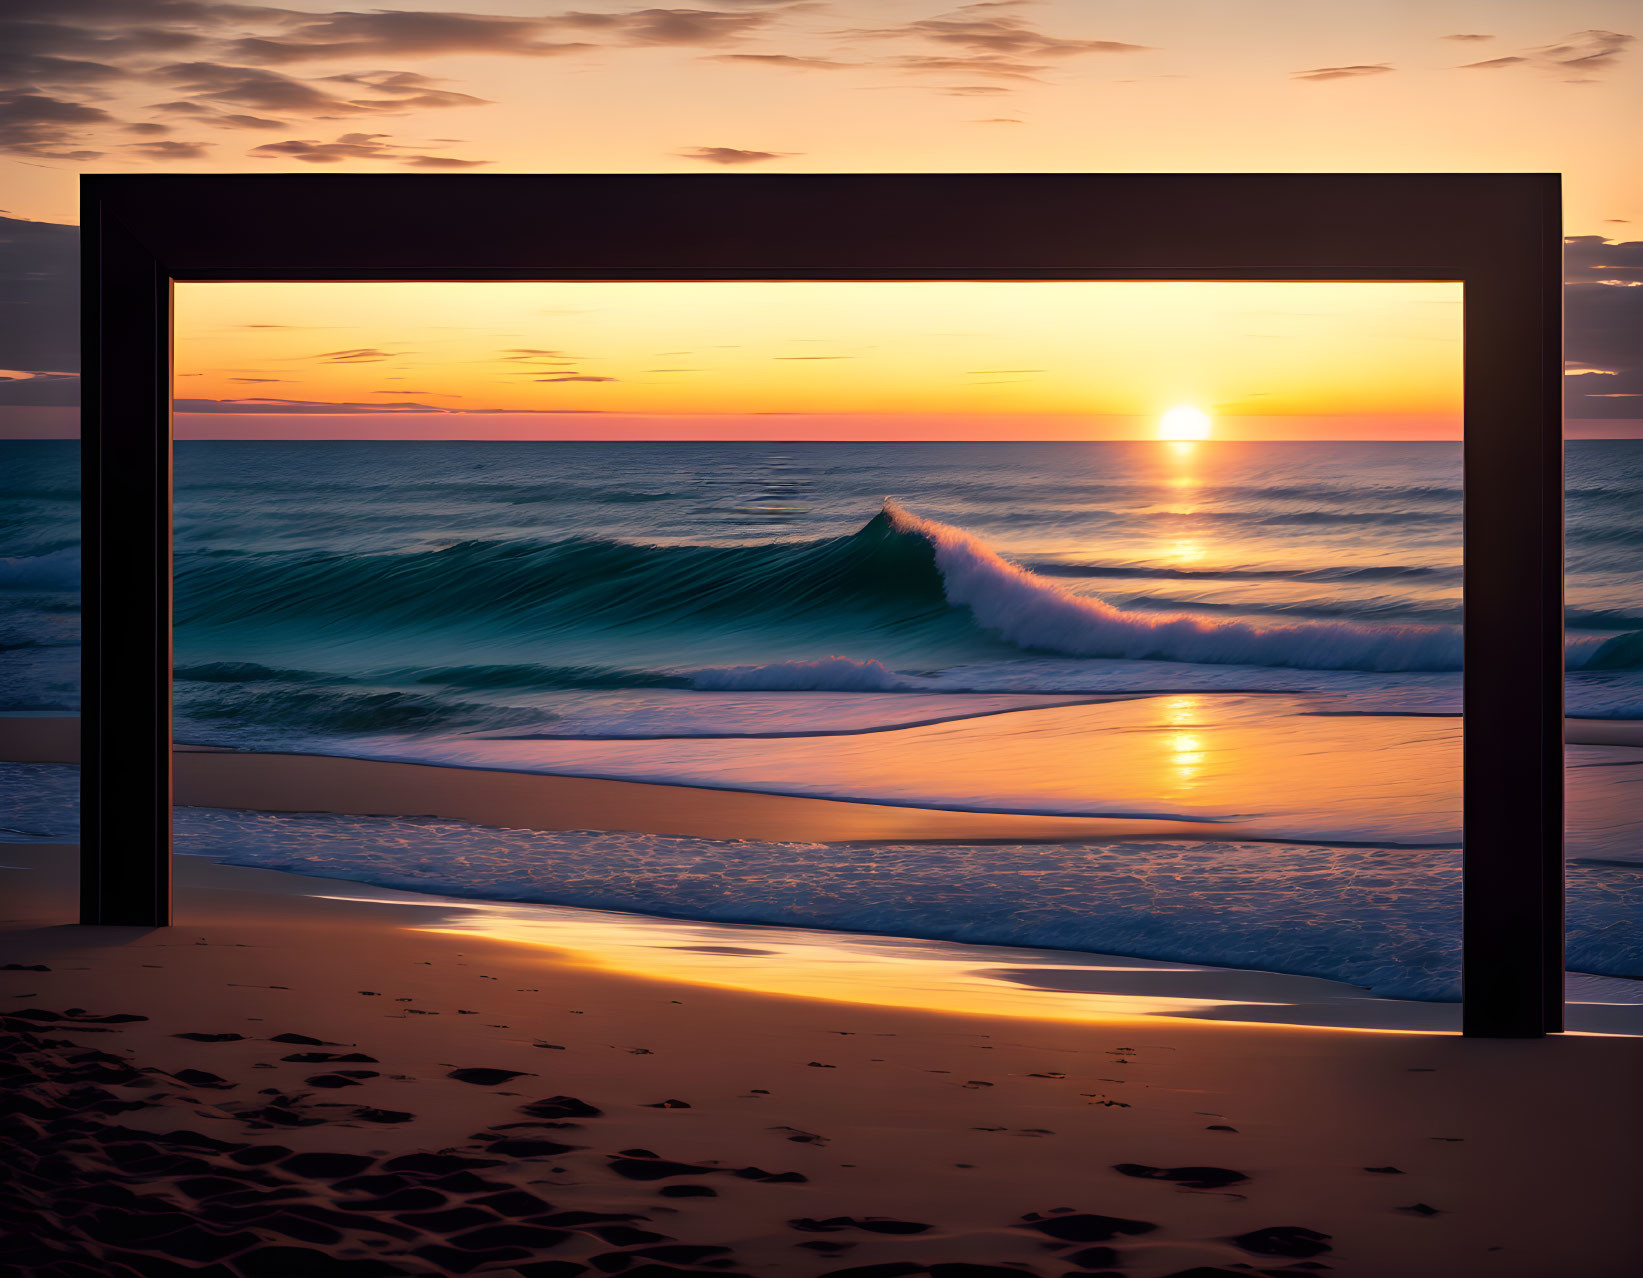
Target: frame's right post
{"points": [[1512, 977]]}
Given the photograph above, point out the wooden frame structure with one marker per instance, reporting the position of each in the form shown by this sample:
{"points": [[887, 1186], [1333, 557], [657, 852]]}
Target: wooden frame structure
{"points": [[1499, 235]]}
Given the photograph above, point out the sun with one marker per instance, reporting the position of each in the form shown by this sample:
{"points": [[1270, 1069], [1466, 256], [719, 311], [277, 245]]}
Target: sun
{"points": [[1184, 422]]}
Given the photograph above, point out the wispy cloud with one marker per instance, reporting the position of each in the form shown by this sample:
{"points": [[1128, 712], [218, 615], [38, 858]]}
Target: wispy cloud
{"points": [[1355, 72], [671, 26], [363, 93], [355, 147], [259, 404], [783, 60], [1592, 50], [398, 33], [730, 155], [47, 127], [992, 39], [354, 355], [241, 67], [1583, 55], [993, 30], [168, 150], [40, 390]]}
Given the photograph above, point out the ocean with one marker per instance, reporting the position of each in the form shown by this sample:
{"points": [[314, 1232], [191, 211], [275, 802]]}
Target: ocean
{"points": [[1257, 642]]}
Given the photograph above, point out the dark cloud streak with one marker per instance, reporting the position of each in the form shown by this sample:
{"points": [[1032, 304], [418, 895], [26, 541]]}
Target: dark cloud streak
{"points": [[356, 147], [729, 155], [1355, 72]]}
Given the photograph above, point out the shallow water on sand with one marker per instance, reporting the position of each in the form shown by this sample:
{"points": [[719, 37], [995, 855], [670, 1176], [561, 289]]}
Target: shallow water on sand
{"points": [[1385, 919]]}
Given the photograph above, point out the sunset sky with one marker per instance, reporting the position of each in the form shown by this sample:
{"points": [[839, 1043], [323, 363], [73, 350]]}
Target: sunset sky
{"points": [[820, 86], [817, 360]]}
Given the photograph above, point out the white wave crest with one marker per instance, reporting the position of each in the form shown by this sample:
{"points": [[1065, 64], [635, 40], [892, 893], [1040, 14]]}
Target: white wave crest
{"points": [[1036, 613]]}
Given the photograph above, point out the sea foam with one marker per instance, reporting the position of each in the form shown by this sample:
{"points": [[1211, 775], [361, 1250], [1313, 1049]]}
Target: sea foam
{"points": [[1035, 613]]}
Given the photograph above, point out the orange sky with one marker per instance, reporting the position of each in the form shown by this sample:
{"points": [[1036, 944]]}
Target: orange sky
{"points": [[843, 85], [495, 86], [816, 360]]}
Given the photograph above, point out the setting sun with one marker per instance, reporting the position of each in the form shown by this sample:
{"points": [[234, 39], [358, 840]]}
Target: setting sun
{"points": [[1184, 422]]}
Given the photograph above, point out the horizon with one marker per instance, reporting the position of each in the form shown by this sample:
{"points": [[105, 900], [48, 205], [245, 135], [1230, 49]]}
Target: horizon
{"points": [[789, 442]]}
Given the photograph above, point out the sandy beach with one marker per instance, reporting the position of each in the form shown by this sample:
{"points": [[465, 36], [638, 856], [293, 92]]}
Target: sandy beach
{"points": [[312, 1076], [304, 1077]]}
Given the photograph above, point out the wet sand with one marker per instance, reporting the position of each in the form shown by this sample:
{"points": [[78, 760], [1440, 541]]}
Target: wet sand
{"points": [[526, 784], [214, 778], [291, 1084]]}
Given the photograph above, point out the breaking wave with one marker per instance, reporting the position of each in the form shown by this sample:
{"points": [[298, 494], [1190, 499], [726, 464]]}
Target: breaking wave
{"points": [[902, 582]]}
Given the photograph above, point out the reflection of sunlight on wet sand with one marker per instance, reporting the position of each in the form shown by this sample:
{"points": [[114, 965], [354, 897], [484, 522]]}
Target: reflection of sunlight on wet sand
{"points": [[1187, 756], [938, 976], [839, 967], [1180, 711], [935, 976], [1254, 765], [972, 980]]}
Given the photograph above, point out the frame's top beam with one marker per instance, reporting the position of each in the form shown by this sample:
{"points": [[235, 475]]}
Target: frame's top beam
{"points": [[1270, 226]]}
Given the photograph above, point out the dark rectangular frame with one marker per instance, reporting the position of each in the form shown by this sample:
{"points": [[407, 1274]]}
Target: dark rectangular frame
{"points": [[1498, 234]]}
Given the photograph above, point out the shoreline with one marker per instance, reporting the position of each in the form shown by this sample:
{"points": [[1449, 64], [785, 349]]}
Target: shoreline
{"points": [[493, 799], [249, 782], [218, 778], [1387, 1152], [54, 737]]}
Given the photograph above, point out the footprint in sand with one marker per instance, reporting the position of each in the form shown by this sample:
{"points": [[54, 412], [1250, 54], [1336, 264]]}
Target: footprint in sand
{"points": [[1293, 1241], [871, 1224], [560, 1107], [202, 1078], [480, 1076], [687, 1191], [1083, 1227], [1186, 1177], [370, 1114], [801, 1137], [338, 1079]]}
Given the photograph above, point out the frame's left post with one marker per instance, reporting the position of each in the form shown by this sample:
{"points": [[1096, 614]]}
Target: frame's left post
{"points": [[125, 460]]}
